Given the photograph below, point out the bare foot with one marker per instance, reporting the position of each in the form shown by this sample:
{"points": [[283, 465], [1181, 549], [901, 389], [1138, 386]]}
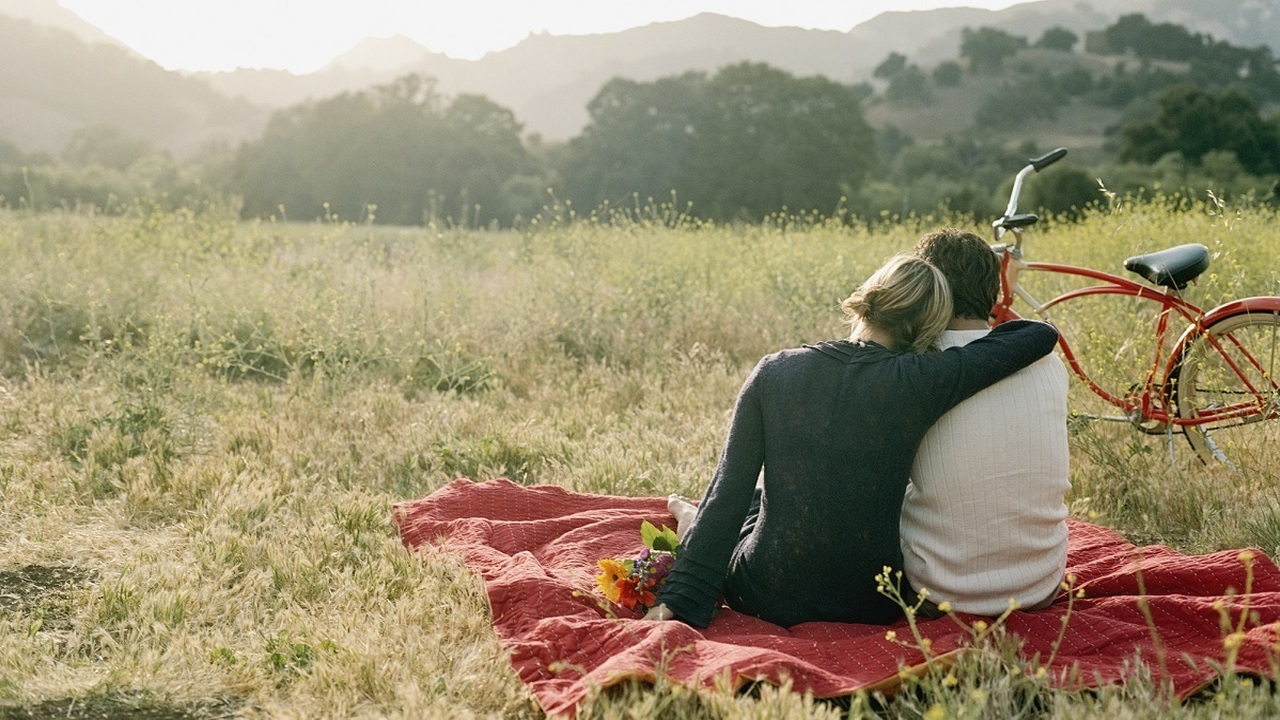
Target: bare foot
{"points": [[684, 510]]}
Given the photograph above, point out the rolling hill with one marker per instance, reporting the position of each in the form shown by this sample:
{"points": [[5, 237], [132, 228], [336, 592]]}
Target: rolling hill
{"points": [[59, 74], [53, 82], [548, 80]]}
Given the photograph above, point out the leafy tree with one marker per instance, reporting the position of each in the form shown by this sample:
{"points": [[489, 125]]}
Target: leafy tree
{"points": [[1193, 122], [744, 143], [640, 140], [398, 153], [484, 152], [1213, 64], [947, 74], [1135, 34], [910, 86], [778, 140], [987, 48], [1221, 64], [890, 66], [1221, 165], [1058, 38]]}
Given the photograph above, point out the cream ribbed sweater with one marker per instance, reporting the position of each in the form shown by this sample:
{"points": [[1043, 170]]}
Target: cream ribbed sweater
{"points": [[983, 519]]}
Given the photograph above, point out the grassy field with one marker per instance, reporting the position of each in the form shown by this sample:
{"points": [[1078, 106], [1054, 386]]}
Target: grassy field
{"points": [[204, 423]]}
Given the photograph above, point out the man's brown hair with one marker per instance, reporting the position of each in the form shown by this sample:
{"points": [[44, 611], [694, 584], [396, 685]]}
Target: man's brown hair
{"points": [[971, 268]]}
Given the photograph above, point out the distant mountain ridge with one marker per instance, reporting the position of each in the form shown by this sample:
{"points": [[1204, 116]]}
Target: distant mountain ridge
{"points": [[54, 84], [48, 13], [58, 73], [547, 80]]}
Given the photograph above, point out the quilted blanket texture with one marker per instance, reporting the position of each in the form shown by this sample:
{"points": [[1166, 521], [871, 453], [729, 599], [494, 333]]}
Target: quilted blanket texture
{"points": [[536, 549]]}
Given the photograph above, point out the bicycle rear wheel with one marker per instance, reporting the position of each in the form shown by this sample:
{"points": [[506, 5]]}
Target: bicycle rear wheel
{"points": [[1230, 373]]}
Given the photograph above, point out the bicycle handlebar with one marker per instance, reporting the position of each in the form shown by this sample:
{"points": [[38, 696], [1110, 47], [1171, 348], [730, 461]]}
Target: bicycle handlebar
{"points": [[1033, 165], [1048, 159]]}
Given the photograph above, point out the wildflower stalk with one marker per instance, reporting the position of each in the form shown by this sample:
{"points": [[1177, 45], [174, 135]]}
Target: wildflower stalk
{"points": [[1072, 593], [1145, 608], [889, 584], [1235, 637]]}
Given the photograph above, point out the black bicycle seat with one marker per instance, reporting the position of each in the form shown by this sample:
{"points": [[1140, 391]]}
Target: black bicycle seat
{"points": [[1172, 268]]}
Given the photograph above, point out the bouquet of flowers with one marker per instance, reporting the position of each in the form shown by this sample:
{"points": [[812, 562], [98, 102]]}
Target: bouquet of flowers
{"points": [[634, 582]]}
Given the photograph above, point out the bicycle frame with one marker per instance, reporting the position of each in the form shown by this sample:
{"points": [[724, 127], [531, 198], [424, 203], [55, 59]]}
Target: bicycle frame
{"points": [[1153, 403], [1149, 405]]}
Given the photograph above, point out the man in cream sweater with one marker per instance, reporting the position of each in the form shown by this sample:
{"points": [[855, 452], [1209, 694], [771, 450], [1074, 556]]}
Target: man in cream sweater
{"points": [[983, 521]]}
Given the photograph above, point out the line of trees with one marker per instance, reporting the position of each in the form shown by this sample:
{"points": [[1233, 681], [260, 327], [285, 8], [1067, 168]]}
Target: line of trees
{"points": [[745, 142], [739, 144]]}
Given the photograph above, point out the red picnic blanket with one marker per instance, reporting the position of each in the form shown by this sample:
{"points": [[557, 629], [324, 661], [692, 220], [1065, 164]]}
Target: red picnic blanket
{"points": [[536, 549]]}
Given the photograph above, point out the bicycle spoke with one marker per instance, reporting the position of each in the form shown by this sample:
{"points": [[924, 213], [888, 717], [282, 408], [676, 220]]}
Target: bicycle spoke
{"points": [[1227, 381]]}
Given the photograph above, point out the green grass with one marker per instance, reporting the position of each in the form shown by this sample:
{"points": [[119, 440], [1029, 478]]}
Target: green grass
{"points": [[204, 423]]}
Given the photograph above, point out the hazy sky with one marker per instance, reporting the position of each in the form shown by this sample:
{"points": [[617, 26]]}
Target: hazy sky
{"points": [[303, 35]]}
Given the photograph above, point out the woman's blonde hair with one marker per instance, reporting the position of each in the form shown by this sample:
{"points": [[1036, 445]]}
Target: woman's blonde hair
{"points": [[908, 298]]}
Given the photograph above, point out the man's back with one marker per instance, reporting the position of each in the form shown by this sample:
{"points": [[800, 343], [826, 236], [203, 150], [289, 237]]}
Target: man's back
{"points": [[983, 519]]}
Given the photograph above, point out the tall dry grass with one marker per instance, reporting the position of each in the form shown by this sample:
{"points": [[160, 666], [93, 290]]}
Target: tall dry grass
{"points": [[204, 423]]}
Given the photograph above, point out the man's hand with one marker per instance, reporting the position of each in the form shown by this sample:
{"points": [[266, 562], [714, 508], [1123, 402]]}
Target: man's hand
{"points": [[659, 612]]}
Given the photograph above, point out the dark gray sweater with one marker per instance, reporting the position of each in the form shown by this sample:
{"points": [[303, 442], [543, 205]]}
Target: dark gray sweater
{"points": [[835, 427]]}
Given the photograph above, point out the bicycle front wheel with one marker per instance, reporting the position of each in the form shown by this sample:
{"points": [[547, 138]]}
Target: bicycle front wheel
{"points": [[1227, 378]]}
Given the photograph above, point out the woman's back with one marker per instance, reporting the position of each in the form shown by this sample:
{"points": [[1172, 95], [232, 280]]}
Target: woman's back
{"points": [[835, 428]]}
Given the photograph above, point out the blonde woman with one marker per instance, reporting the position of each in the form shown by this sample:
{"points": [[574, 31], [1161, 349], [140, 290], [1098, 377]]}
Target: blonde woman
{"points": [[835, 427]]}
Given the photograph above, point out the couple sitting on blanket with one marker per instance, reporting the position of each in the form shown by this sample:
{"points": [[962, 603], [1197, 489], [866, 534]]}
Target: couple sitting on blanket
{"points": [[978, 519]]}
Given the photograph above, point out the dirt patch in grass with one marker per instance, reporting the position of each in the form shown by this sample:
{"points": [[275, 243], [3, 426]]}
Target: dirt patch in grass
{"points": [[42, 590], [121, 706], [29, 585]]}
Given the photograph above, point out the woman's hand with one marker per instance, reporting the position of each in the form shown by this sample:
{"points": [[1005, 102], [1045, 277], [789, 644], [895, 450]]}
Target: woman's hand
{"points": [[659, 612]]}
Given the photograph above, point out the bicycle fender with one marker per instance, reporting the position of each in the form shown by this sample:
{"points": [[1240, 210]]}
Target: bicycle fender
{"points": [[1243, 306], [1261, 304]]}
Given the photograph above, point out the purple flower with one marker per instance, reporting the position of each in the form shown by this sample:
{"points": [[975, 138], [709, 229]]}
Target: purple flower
{"points": [[659, 565]]}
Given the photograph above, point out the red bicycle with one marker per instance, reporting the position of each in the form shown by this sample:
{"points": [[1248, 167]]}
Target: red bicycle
{"points": [[1214, 380]]}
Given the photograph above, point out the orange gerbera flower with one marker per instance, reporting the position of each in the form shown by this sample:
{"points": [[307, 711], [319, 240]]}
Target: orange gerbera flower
{"points": [[635, 596], [612, 575]]}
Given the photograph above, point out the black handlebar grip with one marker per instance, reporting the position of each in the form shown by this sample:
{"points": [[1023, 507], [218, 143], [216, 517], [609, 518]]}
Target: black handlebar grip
{"points": [[1048, 159]]}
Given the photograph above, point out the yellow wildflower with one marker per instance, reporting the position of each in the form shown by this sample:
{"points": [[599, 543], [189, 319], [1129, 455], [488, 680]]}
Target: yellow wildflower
{"points": [[1233, 641], [611, 573]]}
